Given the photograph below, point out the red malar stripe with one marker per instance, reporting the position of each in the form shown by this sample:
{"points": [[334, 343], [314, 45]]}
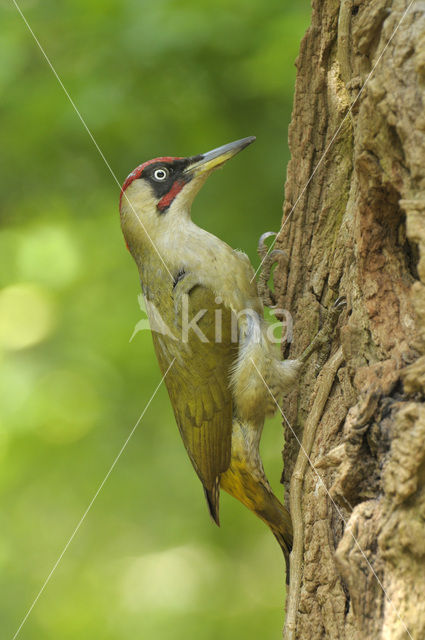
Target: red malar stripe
{"points": [[166, 200]]}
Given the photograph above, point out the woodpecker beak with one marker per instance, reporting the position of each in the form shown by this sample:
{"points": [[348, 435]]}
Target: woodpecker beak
{"points": [[211, 160]]}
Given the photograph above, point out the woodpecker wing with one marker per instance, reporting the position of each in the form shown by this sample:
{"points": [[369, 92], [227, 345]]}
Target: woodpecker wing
{"points": [[198, 385]]}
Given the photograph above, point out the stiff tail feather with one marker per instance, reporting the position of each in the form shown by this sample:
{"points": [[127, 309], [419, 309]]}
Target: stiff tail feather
{"points": [[257, 495], [286, 549], [213, 500]]}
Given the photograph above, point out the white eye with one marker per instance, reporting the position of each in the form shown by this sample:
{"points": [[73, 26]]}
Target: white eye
{"points": [[160, 174]]}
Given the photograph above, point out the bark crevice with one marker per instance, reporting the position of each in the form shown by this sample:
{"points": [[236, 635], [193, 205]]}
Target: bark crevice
{"points": [[358, 230]]}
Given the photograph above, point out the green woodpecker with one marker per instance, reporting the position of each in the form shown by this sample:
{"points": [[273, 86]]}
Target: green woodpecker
{"points": [[225, 372]]}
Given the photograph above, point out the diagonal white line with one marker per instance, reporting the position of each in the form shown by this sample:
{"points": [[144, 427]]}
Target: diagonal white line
{"points": [[99, 489], [334, 136], [83, 122], [338, 510]]}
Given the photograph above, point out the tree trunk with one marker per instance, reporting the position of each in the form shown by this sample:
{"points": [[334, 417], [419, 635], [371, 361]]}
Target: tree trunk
{"points": [[357, 228]]}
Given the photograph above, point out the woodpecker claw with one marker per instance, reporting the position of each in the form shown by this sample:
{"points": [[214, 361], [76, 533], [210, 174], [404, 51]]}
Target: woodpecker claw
{"points": [[268, 260], [340, 303], [262, 247]]}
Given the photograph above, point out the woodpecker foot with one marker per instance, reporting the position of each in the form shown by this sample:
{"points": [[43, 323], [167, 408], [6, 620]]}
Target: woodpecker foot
{"points": [[268, 260], [323, 339]]}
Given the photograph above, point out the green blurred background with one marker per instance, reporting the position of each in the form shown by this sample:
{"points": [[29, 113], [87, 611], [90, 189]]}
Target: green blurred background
{"points": [[170, 77]]}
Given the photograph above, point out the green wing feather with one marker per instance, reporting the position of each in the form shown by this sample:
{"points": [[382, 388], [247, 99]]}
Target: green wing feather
{"points": [[198, 386]]}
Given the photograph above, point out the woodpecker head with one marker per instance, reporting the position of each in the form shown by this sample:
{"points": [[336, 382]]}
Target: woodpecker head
{"points": [[158, 194]]}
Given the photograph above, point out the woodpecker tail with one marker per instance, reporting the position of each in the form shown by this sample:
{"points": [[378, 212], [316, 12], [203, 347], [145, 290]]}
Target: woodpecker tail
{"points": [[213, 500], [257, 495], [285, 549]]}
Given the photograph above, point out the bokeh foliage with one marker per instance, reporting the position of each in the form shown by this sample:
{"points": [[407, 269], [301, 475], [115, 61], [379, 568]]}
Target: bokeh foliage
{"points": [[170, 77]]}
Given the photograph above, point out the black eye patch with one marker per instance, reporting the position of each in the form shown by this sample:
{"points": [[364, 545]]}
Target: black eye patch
{"points": [[175, 172]]}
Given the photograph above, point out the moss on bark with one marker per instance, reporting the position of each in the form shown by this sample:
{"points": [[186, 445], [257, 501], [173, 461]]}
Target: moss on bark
{"points": [[357, 228]]}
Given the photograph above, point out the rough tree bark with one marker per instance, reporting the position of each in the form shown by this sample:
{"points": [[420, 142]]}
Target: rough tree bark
{"points": [[358, 229]]}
